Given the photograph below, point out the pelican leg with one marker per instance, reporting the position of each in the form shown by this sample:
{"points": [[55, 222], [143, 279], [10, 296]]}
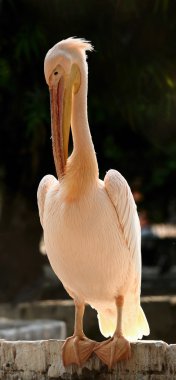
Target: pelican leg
{"points": [[116, 348], [77, 348]]}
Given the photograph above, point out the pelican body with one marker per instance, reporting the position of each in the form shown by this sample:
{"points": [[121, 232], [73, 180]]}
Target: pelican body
{"points": [[91, 227]]}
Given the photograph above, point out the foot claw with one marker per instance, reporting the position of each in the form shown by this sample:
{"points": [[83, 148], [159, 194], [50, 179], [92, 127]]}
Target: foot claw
{"points": [[113, 350], [77, 350]]}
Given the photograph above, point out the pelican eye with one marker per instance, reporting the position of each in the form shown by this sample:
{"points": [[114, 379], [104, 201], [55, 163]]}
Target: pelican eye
{"points": [[56, 72]]}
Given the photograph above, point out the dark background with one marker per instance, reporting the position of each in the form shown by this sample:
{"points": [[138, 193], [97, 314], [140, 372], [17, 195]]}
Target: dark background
{"points": [[131, 106]]}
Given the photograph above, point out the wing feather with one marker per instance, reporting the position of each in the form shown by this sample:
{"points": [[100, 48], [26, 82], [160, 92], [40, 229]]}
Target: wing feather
{"points": [[135, 324], [123, 201], [45, 184]]}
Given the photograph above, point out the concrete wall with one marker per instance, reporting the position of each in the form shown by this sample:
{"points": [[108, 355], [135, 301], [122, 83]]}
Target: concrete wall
{"points": [[152, 360], [41, 360]]}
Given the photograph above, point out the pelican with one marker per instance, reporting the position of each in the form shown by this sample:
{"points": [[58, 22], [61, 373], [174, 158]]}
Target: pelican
{"points": [[91, 227]]}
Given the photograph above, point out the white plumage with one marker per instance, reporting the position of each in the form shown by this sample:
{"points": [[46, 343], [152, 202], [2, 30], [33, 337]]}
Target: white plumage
{"points": [[91, 227]]}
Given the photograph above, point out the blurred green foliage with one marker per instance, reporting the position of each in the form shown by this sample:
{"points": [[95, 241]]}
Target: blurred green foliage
{"points": [[132, 90]]}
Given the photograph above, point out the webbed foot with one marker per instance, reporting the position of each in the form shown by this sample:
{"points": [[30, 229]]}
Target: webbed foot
{"points": [[113, 350], [77, 350]]}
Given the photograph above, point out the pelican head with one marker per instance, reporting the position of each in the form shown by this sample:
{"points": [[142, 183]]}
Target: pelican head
{"points": [[63, 73]]}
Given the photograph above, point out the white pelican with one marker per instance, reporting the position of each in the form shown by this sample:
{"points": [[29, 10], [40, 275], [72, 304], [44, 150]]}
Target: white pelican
{"points": [[91, 227]]}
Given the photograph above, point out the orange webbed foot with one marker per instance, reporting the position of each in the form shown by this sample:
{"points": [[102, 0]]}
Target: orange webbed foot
{"points": [[113, 350], [77, 350]]}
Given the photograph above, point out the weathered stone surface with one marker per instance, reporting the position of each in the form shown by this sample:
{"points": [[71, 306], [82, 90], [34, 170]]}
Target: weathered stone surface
{"points": [[42, 359], [151, 360]]}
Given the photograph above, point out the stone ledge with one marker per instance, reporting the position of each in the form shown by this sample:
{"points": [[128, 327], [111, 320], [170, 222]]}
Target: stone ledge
{"points": [[41, 360]]}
